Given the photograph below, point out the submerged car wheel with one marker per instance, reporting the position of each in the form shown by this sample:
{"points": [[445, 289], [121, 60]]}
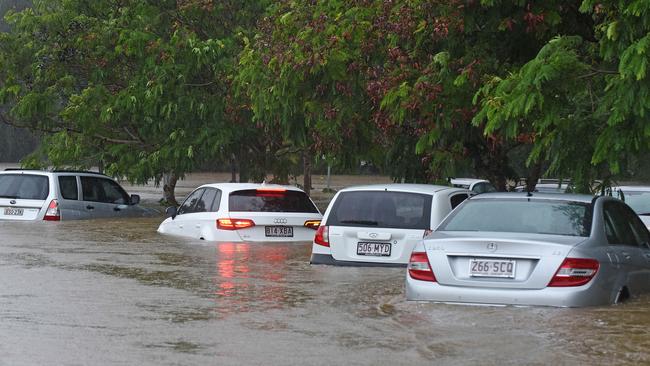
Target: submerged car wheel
{"points": [[622, 295]]}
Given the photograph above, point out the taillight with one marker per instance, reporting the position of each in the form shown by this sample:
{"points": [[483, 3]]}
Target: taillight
{"points": [[52, 213], [574, 272], [312, 224], [322, 236], [419, 267], [234, 224]]}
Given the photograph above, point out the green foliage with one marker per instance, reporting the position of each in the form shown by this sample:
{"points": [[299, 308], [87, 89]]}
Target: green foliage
{"points": [[584, 103]]}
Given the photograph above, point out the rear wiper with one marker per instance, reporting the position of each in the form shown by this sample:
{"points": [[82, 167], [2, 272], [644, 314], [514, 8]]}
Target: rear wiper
{"points": [[644, 214], [12, 197], [360, 222]]}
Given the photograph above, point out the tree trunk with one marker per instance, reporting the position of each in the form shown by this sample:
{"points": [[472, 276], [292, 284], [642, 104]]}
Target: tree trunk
{"points": [[169, 188], [533, 176], [306, 165], [233, 169]]}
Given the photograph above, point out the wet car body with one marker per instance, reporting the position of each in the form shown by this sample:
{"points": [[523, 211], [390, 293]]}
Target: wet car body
{"points": [[30, 195], [378, 225], [608, 261], [236, 212]]}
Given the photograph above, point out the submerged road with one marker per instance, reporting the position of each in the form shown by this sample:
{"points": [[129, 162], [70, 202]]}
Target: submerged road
{"points": [[109, 292]]}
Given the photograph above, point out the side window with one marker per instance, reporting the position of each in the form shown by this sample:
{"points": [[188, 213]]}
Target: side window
{"points": [[68, 187], [620, 229], [113, 193], [638, 228], [457, 199], [217, 201], [91, 189], [190, 202], [204, 204]]}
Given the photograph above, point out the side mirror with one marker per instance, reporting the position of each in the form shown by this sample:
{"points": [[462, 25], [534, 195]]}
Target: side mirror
{"points": [[171, 211], [135, 199]]}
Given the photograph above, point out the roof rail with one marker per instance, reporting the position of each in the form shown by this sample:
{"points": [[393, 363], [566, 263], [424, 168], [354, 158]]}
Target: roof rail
{"points": [[76, 171], [14, 169]]}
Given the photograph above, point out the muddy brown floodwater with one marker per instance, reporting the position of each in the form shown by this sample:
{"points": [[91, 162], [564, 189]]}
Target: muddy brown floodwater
{"points": [[109, 292]]}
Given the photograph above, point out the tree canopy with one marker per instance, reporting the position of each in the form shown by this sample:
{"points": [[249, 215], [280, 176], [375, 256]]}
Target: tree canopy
{"points": [[423, 89]]}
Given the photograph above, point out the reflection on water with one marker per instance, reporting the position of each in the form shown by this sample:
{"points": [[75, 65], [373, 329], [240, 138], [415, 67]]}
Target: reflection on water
{"points": [[116, 292]]}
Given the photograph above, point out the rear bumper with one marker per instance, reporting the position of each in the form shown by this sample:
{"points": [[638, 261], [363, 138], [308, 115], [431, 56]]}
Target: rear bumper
{"points": [[550, 296], [328, 259]]}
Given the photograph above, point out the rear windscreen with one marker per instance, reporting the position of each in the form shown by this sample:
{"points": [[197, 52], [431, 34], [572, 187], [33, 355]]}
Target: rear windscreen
{"points": [[253, 200], [386, 209], [24, 186], [521, 216]]}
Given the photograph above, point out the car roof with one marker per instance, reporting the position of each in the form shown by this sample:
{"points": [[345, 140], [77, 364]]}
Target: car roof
{"points": [[403, 187], [633, 188], [467, 180], [231, 187], [569, 197]]}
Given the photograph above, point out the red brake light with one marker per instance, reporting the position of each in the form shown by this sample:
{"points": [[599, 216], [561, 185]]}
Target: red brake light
{"points": [[52, 213], [234, 224], [575, 272], [419, 267], [322, 236], [312, 224], [270, 192]]}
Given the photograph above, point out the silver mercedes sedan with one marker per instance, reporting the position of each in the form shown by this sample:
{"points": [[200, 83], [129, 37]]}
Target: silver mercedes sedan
{"points": [[533, 249]]}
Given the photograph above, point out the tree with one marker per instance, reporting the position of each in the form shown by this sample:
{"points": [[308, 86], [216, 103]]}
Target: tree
{"points": [[138, 87], [584, 101]]}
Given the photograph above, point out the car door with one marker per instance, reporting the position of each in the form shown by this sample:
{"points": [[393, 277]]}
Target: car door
{"points": [[624, 248], [103, 197], [185, 222], [70, 204]]}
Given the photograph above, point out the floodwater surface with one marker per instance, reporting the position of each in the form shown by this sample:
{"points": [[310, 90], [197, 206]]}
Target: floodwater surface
{"points": [[109, 292]]}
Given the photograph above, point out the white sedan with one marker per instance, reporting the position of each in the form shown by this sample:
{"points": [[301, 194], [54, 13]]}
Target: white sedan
{"points": [[244, 212]]}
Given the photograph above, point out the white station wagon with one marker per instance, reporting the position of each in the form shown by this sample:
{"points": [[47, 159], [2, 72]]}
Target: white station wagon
{"points": [[236, 212], [378, 225]]}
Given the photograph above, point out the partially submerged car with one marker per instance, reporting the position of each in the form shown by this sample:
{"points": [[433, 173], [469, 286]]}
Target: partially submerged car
{"points": [[28, 195], [533, 249], [236, 212], [473, 184], [378, 225], [638, 198]]}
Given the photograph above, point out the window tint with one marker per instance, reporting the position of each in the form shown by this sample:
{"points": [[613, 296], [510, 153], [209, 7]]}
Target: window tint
{"points": [[623, 226], [189, 204], [260, 200], [24, 186], [205, 203], [217, 201], [68, 187], [483, 188], [522, 216], [382, 209], [103, 190], [456, 200]]}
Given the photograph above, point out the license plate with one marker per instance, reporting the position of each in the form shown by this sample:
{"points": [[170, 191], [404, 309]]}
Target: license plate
{"points": [[373, 249], [10, 211], [279, 231], [492, 268]]}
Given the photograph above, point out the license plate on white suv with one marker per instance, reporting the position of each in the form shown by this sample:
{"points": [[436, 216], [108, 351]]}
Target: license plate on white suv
{"points": [[373, 249], [11, 211], [278, 231], [492, 268]]}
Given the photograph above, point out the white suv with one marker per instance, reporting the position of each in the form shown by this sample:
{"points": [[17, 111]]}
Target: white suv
{"points": [[63, 195], [378, 225]]}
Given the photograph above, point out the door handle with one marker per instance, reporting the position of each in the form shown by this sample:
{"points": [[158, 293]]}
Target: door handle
{"points": [[89, 207], [116, 209], [198, 226], [626, 255]]}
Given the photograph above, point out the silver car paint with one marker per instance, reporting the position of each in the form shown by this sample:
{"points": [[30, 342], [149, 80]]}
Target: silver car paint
{"points": [[620, 265]]}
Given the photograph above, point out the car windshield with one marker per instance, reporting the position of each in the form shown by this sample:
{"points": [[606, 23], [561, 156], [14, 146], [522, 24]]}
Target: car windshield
{"points": [[270, 200], [24, 186], [521, 216], [639, 201], [386, 209]]}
